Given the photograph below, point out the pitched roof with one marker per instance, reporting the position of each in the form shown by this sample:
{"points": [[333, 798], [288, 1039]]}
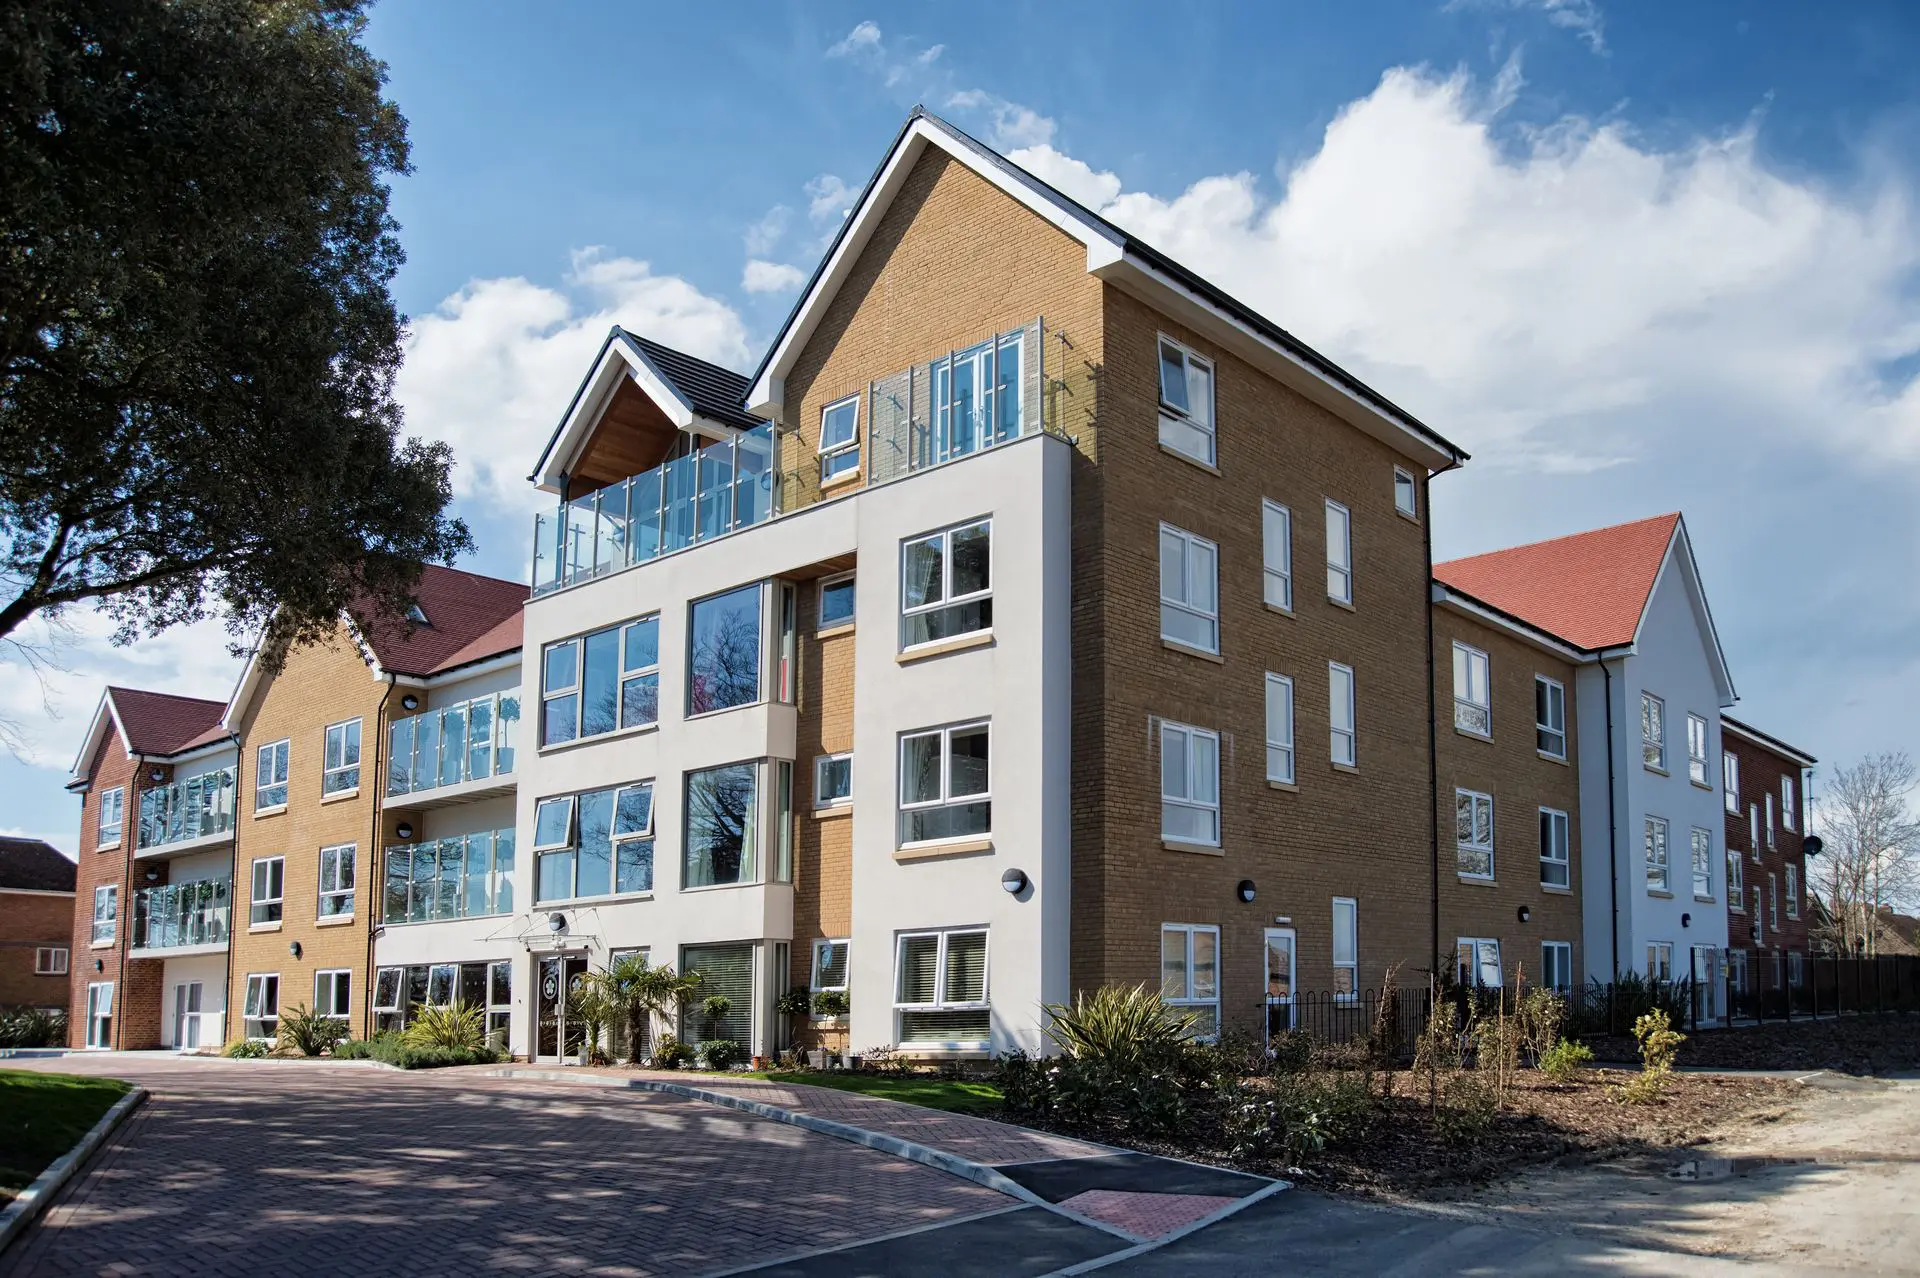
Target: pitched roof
{"points": [[469, 618], [1589, 588], [713, 391], [1766, 741], [161, 723], [34, 865]]}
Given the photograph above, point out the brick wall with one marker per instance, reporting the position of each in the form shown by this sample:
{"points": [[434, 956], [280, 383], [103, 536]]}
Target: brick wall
{"points": [[136, 1020], [28, 921], [823, 864], [1761, 772]]}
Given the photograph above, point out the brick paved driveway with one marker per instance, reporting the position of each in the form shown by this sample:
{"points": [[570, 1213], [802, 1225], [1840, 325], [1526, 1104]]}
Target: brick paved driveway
{"points": [[249, 1168]]}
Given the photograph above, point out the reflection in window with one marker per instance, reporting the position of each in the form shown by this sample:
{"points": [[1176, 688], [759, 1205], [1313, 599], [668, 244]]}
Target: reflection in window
{"points": [[720, 817], [597, 843], [723, 656], [946, 584]]}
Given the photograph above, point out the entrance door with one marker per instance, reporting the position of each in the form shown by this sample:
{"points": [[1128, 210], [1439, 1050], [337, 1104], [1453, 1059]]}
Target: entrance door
{"points": [[1279, 961], [1706, 984], [186, 1016], [100, 1014], [555, 1037]]}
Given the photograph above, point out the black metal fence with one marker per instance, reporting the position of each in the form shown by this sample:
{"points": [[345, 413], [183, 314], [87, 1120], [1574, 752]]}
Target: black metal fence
{"points": [[1775, 988], [1352, 1018]]}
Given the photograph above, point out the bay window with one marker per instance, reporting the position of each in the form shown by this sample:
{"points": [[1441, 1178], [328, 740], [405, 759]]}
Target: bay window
{"points": [[721, 820], [724, 651]]}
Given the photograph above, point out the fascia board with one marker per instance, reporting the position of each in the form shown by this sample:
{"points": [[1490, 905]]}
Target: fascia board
{"points": [[619, 359]]}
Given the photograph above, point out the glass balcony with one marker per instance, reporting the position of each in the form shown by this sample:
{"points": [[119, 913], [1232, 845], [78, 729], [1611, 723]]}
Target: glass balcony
{"points": [[469, 741], [462, 877], [190, 809], [182, 914]]}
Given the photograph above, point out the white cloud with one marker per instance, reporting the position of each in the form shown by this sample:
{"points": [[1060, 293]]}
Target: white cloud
{"points": [[828, 198], [764, 236], [1582, 17], [865, 36], [771, 277], [493, 367], [1078, 179], [1009, 124]]}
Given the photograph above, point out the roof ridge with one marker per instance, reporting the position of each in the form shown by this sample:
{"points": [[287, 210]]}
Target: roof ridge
{"points": [[1548, 541], [171, 696]]}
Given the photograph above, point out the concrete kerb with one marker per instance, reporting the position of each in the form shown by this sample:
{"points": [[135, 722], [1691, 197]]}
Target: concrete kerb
{"points": [[33, 1200]]}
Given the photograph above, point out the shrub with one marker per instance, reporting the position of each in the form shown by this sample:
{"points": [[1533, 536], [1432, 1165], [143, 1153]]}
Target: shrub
{"points": [[1290, 1051], [1565, 1061], [723, 1053], [309, 1033], [247, 1049], [392, 1048], [1467, 1110], [32, 1027], [1659, 1044], [795, 1002], [831, 1003], [353, 1049], [1023, 1084], [1542, 1014], [670, 1053], [453, 1026], [1295, 1116], [886, 1059], [1120, 1026]]}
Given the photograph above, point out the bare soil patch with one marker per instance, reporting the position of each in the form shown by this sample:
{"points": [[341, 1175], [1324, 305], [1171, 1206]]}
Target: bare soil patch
{"points": [[1850, 1044]]}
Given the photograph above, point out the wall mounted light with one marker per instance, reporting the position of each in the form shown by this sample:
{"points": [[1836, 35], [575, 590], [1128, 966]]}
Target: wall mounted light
{"points": [[293, 948], [409, 702], [1526, 915], [1244, 890], [99, 966], [156, 775], [404, 830], [1686, 920], [1014, 882], [153, 876], [556, 923]]}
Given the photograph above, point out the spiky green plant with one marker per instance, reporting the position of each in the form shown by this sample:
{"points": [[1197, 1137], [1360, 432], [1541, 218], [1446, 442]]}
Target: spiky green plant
{"points": [[452, 1025], [636, 992], [1120, 1025], [309, 1033]]}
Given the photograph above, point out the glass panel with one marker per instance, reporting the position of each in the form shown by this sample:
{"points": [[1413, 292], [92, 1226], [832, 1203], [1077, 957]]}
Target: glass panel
{"points": [[509, 723], [1173, 378], [555, 875], [836, 603], [601, 682], [426, 863], [920, 769], [720, 814], [972, 559], [755, 476], [966, 967], [453, 744], [633, 871], [503, 871], [644, 516], [1173, 963], [676, 478], [399, 871], [1206, 975], [714, 477], [640, 700], [480, 738], [477, 892], [453, 864], [724, 659], [426, 751], [596, 849], [921, 574], [919, 956], [725, 970], [400, 756]]}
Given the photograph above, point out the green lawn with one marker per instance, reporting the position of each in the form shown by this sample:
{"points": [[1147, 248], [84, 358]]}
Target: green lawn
{"points": [[915, 1089], [42, 1116]]}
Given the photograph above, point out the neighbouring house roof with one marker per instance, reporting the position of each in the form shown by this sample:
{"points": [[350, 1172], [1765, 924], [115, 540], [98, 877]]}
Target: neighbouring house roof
{"points": [[153, 724], [1899, 933], [468, 618], [1590, 589], [1791, 754], [34, 865], [1115, 256]]}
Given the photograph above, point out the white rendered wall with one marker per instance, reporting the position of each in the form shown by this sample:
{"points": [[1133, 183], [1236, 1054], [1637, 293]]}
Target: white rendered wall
{"points": [[211, 971]]}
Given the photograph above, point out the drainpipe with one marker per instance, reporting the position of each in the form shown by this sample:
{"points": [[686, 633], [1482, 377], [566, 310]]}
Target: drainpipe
{"points": [[123, 918], [376, 857], [227, 1017], [1433, 765], [1613, 822]]}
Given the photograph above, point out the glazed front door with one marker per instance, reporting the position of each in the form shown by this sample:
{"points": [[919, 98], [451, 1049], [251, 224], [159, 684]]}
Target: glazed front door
{"points": [[186, 1016], [1279, 959], [555, 1036]]}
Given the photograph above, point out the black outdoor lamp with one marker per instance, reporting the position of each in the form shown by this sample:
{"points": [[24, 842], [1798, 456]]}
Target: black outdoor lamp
{"points": [[1244, 891], [1526, 915], [1014, 882]]}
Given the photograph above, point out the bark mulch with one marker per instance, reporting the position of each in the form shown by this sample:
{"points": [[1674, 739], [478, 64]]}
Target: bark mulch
{"points": [[1849, 1044]]}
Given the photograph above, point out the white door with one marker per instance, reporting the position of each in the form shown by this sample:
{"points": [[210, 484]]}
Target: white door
{"points": [[1706, 983], [1279, 979], [186, 1016], [100, 1014]]}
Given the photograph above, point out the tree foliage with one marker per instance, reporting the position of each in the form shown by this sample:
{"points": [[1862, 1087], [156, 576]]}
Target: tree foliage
{"points": [[197, 341], [1870, 860]]}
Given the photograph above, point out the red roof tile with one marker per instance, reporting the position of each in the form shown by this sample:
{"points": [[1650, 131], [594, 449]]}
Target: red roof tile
{"points": [[161, 723], [1589, 589], [469, 618]]}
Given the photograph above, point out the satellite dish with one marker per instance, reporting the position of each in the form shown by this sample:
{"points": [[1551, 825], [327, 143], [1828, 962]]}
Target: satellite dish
{"points": [[556, 923], [1812, 846]]}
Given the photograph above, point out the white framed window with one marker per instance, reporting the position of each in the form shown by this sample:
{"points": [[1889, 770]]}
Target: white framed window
{"points": [[1556, 966], [1477, 961], [1793, 891], [1406, 493], [840, 439], [1736, 882], [830, 964], [1550, 716], [1280, 729], [99, 1014], [333, 993], [601, 842], [113, 816], [340, 771], [602, 682], [1472, 691], [1339, 553], [836, 601], [1759, 931], [1276, 541], [1346, 949], [833, 781], [1796, 969], [553, 824], [1189, 784], [1702, 847], [1556, 853], [1730, 780], [946, 783], [1656, 854], [1660, 961], [1189, 589], [1653, 731], [1737, 970], [50, 960], [1697, 749], [336, 881], [1473, 821], [106, 912], [1753, 831], [1186, 402], [1788, 806], [946, 584], [261, 1016], [269, 882], [1344, 744], [270, 777], [1769, 801], [1773, 902], [940, 987], [1190, 973]]}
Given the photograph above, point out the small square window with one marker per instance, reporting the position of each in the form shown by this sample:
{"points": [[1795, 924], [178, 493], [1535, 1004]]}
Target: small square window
{"points": [[833, 781], [1406, 494], [840, 439], [836, 601], [1186, 402]]}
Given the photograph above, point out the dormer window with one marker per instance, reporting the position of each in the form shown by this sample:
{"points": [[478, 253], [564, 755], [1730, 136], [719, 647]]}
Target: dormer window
{"points": [[417, 615]]}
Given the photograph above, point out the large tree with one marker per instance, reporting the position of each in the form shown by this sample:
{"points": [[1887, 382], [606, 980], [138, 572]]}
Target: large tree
{"points": [[1870, 861], [197, 341]]}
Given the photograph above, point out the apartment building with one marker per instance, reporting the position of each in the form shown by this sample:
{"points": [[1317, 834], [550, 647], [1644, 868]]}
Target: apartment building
{"points": [[1763, 786], [157, 777], [36, 925], [1649, 686]]}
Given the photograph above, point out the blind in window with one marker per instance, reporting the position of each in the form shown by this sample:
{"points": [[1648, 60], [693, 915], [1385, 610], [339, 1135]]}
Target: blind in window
{"points": [[967, 967], [918, 956], [726, 970]]}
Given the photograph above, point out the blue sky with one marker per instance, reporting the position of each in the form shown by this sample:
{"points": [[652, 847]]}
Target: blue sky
{"points": [[1635, 257]]}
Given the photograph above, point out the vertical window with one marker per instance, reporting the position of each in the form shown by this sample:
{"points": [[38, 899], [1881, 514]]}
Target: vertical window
{"points": [[940, 991], [1276, 534], [1730, 779], [632, 838], [269, 880], [1773, 902], [946, 584], [836, 601], [1473, 819], [1477, 961], [1793, 891], [270, 777], [262, 1008], [336, 881], [1346, 949], [1186, 402], [1406, 493], [840, 439], [786, 676], [1796, 972], [1697, 749], [50, 960], [99, 1014], [1189, 589], [783, 821], [1769, 799], [1550, 716], [1556, 966], [945, 790], [1653, 730], [1656, 854], [1340, 713], [341, 767], [1339, 553], [560, 692], [113, 815], [1556, 860], [640, 672], [833, 781], [1753, 831], [830, 965], [332, 993], [1759, 932], [1280, 729], [1736, 881], [1702, 863], [1472, 694], [106, 912], [1788, 807], [723, 652], [1660, 961], [721, 818], [1190, 973], [1189, 784]]}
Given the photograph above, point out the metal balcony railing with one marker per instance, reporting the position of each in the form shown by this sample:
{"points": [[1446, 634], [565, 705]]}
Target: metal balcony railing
{"points": [[177, 915], [448, 745], [190, 809]]}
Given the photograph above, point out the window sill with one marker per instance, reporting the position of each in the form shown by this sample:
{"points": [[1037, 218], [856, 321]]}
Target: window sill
{"points": [[701, 887], [1342, 603], [334, 920], [1560, 759], [1470, 734], [834, 631], [1477, 880], [1277, 609], [269, 812], [1351, 768], [101, 945], [1199, 849], [845, 479], [834, 810], [576, 902], [1288, 786], [1661, 893], [939, 648], [1189, 459], [953, 847], [264, 927], [638, 729], [340, 796], [1656, 768], [109, 847], [1174, 645], [1407, 515], [1557, 891], [1700, 785], [1703, 900]]}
